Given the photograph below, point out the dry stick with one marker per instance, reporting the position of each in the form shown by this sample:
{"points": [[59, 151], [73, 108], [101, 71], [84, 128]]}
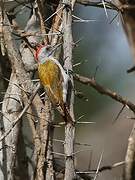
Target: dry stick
{"points": [[59, 168], [11, 108], [129, 164], [11, 54], [85, 175], [91, 82], [23, 34], [50, 175], [69, 128], [41, 11], [37, 104], [56, 26], [129, 171], [97, 171], [45, 172], [130, 152], [21, 114], [42, 129], [44, 135], [56, 12], [32, 119], [128, 21], [22, 75], [103, 168], [2, 43]]}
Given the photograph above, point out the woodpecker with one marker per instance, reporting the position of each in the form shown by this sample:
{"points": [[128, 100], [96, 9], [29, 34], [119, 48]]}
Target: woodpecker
{"points": [[53, 78]]}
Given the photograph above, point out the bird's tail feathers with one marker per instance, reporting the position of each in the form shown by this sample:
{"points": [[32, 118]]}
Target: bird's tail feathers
{"points": [[64, 111]]}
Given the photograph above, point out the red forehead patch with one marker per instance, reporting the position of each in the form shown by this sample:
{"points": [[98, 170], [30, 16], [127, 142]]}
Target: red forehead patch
{"points": [[38, 51]]}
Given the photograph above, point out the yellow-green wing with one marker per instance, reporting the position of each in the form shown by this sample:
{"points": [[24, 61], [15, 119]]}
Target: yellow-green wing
{"points": [[51, 78]]}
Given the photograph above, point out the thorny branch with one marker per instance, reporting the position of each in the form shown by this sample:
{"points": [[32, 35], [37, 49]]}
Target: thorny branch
{"points": [[69, 128], [11, 107], [55, 36], [24, 80], [21, 114], [87, 175], [92, 82], [103, 168]]}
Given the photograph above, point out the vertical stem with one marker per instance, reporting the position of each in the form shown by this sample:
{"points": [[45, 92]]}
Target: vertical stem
{"points": [[129, 171], [50, 174], [128, 22], [44, 136], [69, 128], [10, 111]]}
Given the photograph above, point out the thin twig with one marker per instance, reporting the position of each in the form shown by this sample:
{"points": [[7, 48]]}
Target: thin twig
{"points": [[92, 82], [40, 4], [97, 171], [103, 168], [121, 110], [54, 13]]}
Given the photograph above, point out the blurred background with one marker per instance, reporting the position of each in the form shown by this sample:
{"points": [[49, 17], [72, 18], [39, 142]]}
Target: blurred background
{"points": [[103, 50], [104, 45]]}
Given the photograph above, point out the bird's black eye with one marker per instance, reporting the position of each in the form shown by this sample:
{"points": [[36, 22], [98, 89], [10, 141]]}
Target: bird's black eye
{"points": [[48, 47]]}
